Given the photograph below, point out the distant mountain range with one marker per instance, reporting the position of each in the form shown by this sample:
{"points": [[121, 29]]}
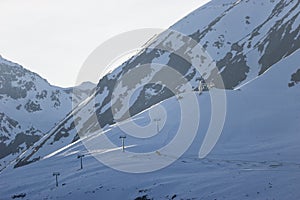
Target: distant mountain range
{"points": [[30, 107]]}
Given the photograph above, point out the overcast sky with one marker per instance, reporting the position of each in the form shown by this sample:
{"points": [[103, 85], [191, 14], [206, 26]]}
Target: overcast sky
{"points": [[53, 38]]}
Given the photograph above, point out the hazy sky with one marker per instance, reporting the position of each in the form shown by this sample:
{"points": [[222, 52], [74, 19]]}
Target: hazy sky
{"points": [[53, 38]]}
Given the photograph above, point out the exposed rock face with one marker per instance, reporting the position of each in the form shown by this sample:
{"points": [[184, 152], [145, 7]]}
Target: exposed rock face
{"points": [[295, 78], [30, 107]]}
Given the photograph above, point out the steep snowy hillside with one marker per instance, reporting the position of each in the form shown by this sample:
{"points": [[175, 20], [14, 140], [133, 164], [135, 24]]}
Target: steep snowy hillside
{"points": [[29, 107], [243, 38], [255, 158]]}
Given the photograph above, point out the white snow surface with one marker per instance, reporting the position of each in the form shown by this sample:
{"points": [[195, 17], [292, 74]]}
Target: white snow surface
{"points": [[255, 158]]}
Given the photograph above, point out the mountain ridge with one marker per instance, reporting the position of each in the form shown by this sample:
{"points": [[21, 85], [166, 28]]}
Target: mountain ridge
{"points": [[254, 47], [239, 59], [25, 98]]}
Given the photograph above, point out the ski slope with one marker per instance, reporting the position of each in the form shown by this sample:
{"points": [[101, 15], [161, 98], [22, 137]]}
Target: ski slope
{"points": [[256, 156]]}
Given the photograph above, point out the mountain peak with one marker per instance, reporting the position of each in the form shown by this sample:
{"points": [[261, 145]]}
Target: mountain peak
{"points": [[36, 106]]}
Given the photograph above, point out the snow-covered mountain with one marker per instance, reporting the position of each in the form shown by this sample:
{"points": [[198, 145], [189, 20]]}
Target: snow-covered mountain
{"points": [[255, 158], [244, 38], [30, 107], [255, 46]]}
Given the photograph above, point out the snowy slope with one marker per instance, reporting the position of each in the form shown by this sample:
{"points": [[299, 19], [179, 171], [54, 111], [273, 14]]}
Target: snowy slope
{"points": [[29, 107], [255, 158], [243, 38], [255, 46]]}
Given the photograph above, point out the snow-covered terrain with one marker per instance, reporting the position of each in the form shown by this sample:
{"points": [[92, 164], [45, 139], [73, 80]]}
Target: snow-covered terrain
{"points": [[255, 158], [244, 38], [255, 47], [30, 107]]}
